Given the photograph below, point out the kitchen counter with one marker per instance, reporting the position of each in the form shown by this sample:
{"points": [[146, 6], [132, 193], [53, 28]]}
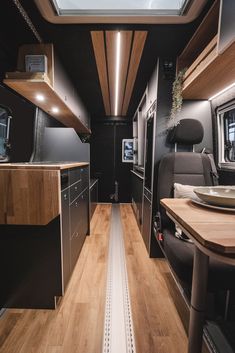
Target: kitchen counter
{"points": [[44, 220], [43, 165], [30, 192]]}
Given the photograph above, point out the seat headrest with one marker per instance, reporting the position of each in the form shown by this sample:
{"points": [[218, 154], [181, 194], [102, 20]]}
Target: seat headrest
{"points": [[187, 132]]}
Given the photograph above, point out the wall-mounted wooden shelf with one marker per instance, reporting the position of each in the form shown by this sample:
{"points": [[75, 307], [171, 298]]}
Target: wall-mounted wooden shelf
{"points": [[31, 84], [213, 74], [53, 85], [205, 32], [210, 69]]}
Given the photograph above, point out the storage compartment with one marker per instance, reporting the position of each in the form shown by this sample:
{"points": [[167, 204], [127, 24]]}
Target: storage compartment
{"points": [[57, 95], [210, 64]]}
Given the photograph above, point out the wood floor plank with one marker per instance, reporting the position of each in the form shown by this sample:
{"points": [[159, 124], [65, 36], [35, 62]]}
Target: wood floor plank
{"points": [[157, 325], [77, 324]]}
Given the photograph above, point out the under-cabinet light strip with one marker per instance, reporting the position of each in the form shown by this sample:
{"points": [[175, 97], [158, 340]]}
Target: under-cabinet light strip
{"points": [[117, 71], [222, 91]]}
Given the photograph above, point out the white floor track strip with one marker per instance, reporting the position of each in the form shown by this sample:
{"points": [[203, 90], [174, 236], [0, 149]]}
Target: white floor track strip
{"points": [[118, 326]]}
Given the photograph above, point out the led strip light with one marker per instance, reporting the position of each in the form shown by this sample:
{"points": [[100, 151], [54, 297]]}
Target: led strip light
{"points": [[118, 326], [117, 71]]}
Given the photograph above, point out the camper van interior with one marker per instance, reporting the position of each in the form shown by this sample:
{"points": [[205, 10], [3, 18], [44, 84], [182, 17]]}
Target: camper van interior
{"points": [[117, 176]]}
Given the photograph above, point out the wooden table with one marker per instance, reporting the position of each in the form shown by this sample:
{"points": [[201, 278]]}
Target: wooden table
{"points": [[213, 233]]}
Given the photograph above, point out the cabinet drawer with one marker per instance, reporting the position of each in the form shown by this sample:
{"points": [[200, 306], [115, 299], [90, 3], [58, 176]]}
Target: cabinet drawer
{"points": [[84, 177], [75, 190], [75, 215], [74, 175]]}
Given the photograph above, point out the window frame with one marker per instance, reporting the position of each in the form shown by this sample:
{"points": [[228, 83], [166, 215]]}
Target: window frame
{"points": [[223, 163], [6, 137]]}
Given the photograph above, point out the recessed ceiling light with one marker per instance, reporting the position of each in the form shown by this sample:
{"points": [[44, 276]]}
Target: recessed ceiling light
{"points": [[117, 71], [40, 97], [55, 110]]}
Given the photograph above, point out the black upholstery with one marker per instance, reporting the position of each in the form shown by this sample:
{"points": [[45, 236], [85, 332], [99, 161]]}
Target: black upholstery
{"points": [[187, 132], [185, 168], [192, 169], [180, 256]]}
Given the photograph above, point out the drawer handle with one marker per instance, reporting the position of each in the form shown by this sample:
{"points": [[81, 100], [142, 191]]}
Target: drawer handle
{"points": [[75, 188], [76, 204], [65, 197]]}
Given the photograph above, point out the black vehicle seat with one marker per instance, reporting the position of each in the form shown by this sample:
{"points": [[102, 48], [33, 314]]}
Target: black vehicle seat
{"points": [[192, 169]]}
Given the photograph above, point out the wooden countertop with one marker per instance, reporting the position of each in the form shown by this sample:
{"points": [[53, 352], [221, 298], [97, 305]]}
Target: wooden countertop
{"points": [[211, 228], [30, 192], [43, 165]]}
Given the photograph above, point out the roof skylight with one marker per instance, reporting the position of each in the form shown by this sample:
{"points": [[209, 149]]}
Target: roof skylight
{"points": [[130, 7]]}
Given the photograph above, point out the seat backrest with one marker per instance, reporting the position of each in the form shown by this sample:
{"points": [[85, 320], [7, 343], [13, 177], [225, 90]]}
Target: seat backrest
{"points": [[187, 168]]}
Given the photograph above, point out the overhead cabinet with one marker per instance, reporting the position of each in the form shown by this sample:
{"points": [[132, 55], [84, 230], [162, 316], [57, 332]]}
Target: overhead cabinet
{"points": [[51, 90], [209, 56]]}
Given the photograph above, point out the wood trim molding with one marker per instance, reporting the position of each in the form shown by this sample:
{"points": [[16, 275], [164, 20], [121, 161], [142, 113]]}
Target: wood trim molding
{"points": [[100, 57], [136, 53]]}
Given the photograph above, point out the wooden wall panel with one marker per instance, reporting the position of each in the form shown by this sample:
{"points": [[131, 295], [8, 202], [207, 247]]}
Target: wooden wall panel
{"points": [[29, 197], [100, 57], [136, 53]]}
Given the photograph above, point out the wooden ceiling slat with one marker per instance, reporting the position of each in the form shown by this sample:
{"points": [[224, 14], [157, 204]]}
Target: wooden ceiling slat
{"points": [[136, 53], [111, 58], [100, 57], [126, 39]]}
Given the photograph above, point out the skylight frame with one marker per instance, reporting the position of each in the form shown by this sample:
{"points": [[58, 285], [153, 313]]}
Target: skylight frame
{"points": [[189, 13], [121, 12]]}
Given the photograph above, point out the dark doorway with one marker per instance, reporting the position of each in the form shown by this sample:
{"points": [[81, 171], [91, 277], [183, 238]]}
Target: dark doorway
{"points": [[106, 161]]}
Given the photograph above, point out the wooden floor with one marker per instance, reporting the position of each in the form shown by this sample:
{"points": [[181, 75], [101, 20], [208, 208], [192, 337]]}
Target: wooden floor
{"points": [[77, 324]]}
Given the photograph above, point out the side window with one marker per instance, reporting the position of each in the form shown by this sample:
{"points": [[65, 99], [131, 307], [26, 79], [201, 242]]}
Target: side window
{"points": [[229, 135], [5, 116]]}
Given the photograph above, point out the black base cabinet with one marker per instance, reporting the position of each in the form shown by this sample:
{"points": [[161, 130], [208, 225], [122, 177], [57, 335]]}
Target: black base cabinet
{"points": [[147, 218], [137, 197], [36, 262], [93, 196]]}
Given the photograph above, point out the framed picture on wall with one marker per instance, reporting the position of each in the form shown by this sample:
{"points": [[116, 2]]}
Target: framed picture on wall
{"points": [[127, 150]]}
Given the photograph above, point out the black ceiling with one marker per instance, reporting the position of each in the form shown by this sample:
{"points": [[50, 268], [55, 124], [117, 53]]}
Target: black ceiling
{"points": [[74, 48]]}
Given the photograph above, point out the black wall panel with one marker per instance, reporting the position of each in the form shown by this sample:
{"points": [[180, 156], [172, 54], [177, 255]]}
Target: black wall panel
{"points": [[106, 160], [22, 125]]}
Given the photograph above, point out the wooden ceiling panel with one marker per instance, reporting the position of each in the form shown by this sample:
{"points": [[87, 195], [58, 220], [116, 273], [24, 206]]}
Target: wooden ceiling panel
{"points": [[126, 40], [111, 37], [132, 44], [100, 57], [136, 53]]}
